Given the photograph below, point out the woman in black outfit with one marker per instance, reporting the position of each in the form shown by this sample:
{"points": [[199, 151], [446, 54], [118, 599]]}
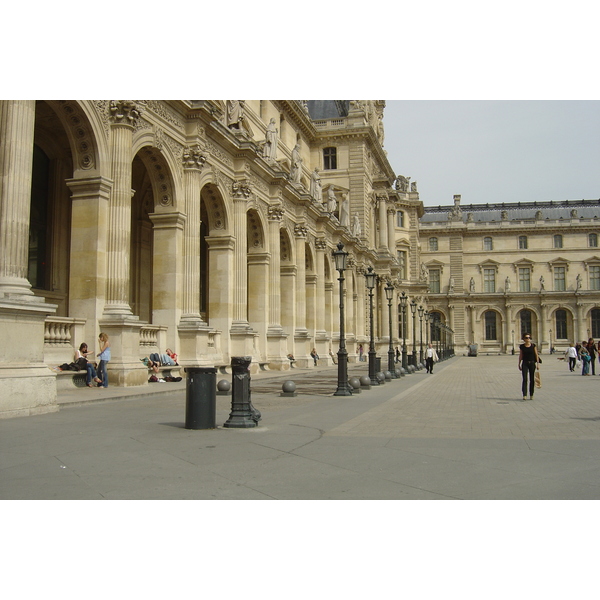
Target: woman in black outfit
{"points": [[592, 351], [528, 362]]}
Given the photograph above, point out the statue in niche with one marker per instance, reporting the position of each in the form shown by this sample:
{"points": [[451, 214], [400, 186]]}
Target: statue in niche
{"points": [[296, 167], [573, 213], [424, 273], [469, 217], [578, 281], [344, 211], [451, 286], [356, 227], [472, 285], [271, 137], [504, 215], [538, 215], [316, 190], [542, 284], [507, 284], [331, 200]]}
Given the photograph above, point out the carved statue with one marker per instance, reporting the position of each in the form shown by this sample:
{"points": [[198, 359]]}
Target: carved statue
{"points": [[331, 200], [456, 213], [472, 285], [542, 286], [578, 280], [344, 211], [316, 190], [413, 186], [271, 137], [507, 284], [402, 183], [424, 273], [356, 227], [451, 286], [235, 113], [296, 167]]}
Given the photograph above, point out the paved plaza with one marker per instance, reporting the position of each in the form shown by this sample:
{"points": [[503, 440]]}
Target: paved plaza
{"points": [[461, 433]]}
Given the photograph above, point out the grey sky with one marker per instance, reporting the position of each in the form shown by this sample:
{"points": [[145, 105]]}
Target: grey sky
{"points": [[496, 151]]}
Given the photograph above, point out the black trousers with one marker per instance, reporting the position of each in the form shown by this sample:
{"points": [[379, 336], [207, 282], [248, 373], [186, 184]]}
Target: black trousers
{"points": [[429, 364], [528, 369], [572, 362]]}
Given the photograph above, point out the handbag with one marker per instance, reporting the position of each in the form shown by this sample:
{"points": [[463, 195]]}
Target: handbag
{"points": [[538, 379]]}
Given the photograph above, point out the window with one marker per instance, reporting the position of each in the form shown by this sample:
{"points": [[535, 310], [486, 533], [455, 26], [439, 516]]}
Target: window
{"points": [[595, 315], [488, 244], [593, 240], [402, 328], [329, 158], [558, 241], [490, 325], [525, 322], [435, 319], [402, 258], [399, 219], [434, 281], [559, 279], [433, 244], [522, 242], [594, 277], [524, 279], [489, 280], [560, 318]]}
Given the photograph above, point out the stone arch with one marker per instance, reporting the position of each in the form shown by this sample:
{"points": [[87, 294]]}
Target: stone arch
{"points": [[286, 247], [214, 210], [256, 231], [160, 175]]}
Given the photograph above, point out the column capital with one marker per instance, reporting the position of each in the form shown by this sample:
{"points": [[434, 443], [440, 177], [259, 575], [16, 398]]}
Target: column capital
{"points": [[321, 244], [241, 190], [124, 112], [276, 212], [301, 231], [193, 158]]}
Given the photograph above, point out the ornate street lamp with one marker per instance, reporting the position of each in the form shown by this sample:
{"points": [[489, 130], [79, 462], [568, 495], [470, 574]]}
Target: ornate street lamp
{"points": [[413, 309], [421, 311], [426, 329], [343, 387], [403, 302], [371, 278], [389, 294]]}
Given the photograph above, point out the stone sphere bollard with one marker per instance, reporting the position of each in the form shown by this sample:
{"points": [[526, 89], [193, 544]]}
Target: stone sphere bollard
{"points": [[365, 381], [380, 377], [354, 384], [223, 388], [388, 375], [288, 389], [399, 372]]}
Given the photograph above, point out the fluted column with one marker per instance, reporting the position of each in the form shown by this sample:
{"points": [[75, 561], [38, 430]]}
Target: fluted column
{"points": [[301, 233], [241, 193], [321, 247], [17, 119], [193, 161], [123, 117], [383, 231], [275, 218], [391, 226]]}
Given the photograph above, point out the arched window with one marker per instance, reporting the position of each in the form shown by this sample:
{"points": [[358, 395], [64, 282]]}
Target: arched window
{"points": [[433, 244], [593, 240], [488, 244], [558, 241], [490, 325], [525, 322], [435, 318], [560, 318]]}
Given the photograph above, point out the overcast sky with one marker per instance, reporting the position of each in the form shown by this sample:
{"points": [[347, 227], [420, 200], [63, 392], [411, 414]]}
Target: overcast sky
{"points": [[496, 151]]}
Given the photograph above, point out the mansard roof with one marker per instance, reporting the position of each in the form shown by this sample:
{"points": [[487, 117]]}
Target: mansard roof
{"points": [[517, 211], [328, 109]]}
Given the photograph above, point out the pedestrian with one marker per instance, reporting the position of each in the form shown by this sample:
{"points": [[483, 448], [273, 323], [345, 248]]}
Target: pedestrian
{"points": [[104, 356], [591, 347], [571, 354], [585, 358], [360, 352], [314, 355], [430, 358], [397, 354], [528, 363]]}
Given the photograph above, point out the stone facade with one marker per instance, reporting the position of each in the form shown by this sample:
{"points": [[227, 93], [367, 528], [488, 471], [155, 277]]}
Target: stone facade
{"points": [[496, 271], [204, 226]]}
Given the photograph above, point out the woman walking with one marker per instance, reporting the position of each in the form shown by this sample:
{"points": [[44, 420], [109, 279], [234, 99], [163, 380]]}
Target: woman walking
{"points": [[592, 351], [528, 362]]}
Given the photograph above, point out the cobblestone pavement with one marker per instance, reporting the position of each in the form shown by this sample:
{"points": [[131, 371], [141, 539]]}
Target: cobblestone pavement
{"points": [[462, 432]]}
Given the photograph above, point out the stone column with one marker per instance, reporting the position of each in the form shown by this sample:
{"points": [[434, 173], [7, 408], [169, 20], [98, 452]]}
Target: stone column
{"points": [[301, 333], [542, 326], [17, 119], [321, 337], [383, 231], [391, 225], [123, 117], [240, 193], [193, 161]]}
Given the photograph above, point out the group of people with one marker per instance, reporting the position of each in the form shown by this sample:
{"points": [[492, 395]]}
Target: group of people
{"points": [[586, 354], [98, 376]]}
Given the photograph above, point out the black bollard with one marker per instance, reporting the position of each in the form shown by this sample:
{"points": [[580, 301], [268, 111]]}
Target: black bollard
{"points": [[243, 415], [200, 398]]}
